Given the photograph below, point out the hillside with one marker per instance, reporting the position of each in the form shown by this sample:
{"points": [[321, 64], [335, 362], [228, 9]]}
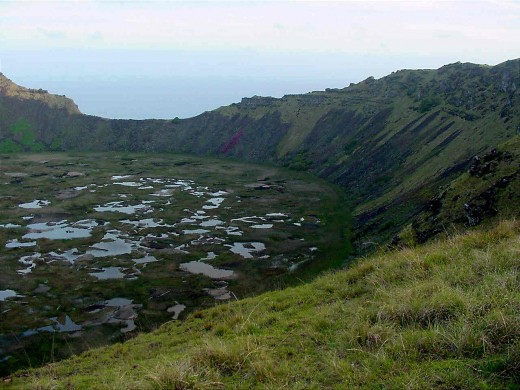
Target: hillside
{"points": [[11, 90], [444, 315], [488, 192], [389, 142]]}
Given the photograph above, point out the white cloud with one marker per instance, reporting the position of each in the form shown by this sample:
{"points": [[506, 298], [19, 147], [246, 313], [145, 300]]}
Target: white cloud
{"points": [[52, 34], [471, 30]]}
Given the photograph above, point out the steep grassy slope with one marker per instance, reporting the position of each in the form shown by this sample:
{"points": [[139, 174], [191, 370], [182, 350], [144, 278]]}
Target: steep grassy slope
{"points": [[487, 192], [390, 142], [444, 315]]}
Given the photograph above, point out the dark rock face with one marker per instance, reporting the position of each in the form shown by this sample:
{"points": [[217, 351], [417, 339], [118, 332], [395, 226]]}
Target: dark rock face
{"points": [[484, 204], [434, 205], [478, 168], [482, 166], [257, 101], [474, 213]]}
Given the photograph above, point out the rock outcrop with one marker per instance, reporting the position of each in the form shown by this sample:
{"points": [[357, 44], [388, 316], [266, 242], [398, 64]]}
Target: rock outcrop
{"points": [[489, 190], [10, 89]]}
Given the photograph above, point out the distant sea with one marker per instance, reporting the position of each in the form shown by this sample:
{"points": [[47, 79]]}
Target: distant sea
{"points": [[162, 84]]}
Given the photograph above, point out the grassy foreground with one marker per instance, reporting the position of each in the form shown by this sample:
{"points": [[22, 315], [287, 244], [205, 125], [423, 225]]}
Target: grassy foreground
{"points": [[446, 315]]}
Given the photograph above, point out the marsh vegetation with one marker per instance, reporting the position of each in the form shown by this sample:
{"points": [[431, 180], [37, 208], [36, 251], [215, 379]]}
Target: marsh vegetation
{"points": [[95, 248]]}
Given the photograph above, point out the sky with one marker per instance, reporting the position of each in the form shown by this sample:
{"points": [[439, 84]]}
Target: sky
{"points": [[166, 59]]}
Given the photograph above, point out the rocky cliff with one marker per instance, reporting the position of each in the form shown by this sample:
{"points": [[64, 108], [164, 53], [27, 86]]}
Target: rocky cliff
{"points": [[12, 90]]}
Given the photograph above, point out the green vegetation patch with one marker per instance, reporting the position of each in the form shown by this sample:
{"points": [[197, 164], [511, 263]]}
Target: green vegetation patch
{"points": [[428, 103], [300, 162], [25, 135], [56, 144], [9, 146]]}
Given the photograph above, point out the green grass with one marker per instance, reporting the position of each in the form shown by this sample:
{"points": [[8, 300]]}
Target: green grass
{"points": [[9, 146], [25, 135], [446, 315]]}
